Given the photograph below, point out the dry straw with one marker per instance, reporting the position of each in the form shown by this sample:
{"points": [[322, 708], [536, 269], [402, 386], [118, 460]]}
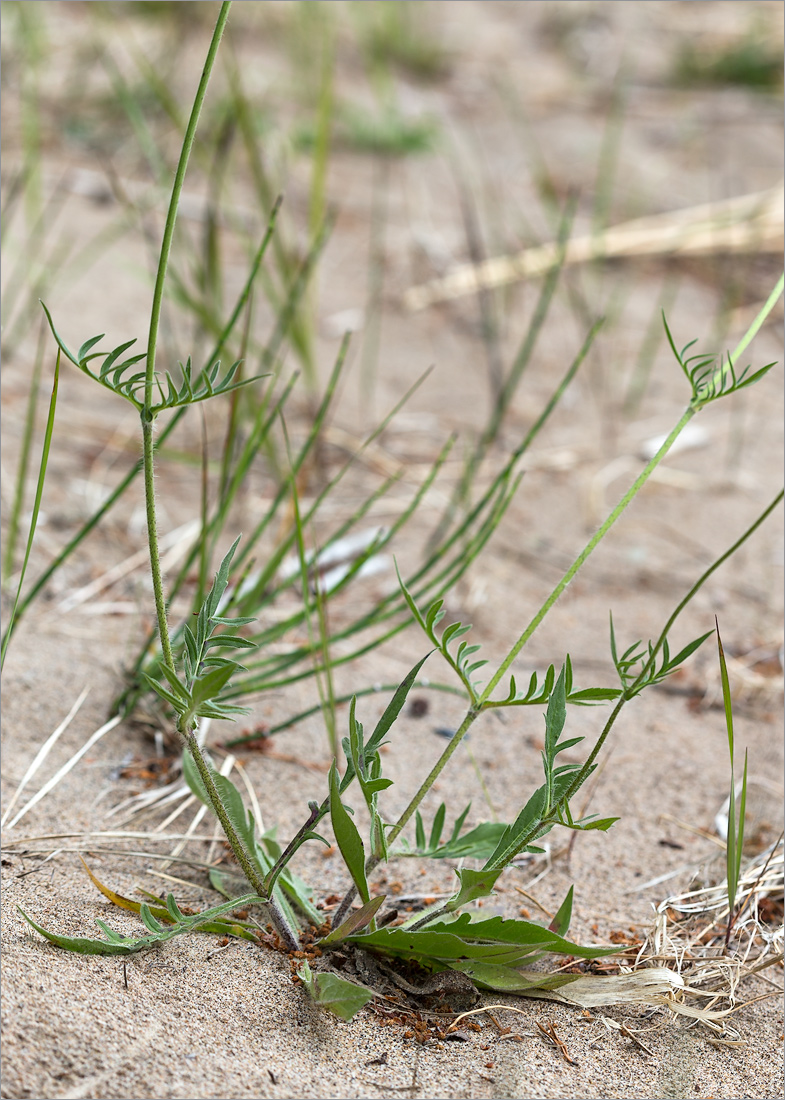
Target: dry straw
{"points": [[747, 223]]}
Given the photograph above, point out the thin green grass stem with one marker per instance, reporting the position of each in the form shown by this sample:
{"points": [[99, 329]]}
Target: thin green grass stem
{"points": [[433, 775], [39, 490], [591, 545], [754, 328], [171, 216], [647, 668], [377, 689], [24, 460], [522, 359], [325, 689], [152, 539]]}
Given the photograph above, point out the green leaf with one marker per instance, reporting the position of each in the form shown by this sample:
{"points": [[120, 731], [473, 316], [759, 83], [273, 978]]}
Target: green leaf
{"points": [[393, 708], [348, 838], [587, 696], [688, 650], [474, 885], [555, 718], [438, 825], [174, 701], [125, 945], [231, 641], [561, 922], [210, 684], [88, 344], [149, 920], [221, 580], [355, 921], [494, 940], [337, 995], [506, 979], [179, 690], [530, 814]]}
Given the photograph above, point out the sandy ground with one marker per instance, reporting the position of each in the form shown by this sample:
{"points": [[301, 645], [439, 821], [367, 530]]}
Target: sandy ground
{"points": [[194, 1021]]}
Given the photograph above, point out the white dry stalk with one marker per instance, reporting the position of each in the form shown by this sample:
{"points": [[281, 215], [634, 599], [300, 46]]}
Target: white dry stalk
{"points": [[255, 807], [189, 801], [763, 874], [150, 801], [66, 768], [746, 223], [117, 834], [43, 752], [177, 542]]}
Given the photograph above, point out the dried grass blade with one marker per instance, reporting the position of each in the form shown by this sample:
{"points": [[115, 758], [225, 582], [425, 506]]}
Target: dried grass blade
{"points": [[652, 985], [177, 542], [747, 222], [43, 752], [66, 768]]}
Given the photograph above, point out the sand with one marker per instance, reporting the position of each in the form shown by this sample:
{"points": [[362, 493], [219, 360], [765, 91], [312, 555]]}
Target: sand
{"points": [[201, 1019]]}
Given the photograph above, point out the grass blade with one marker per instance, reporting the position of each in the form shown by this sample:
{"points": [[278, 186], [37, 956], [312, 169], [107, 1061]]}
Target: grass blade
{"points": [[50, 423]]}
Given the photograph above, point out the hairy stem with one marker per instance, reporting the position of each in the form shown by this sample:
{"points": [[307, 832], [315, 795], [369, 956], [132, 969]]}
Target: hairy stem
{"points": [[148, 456], [274, 913]]}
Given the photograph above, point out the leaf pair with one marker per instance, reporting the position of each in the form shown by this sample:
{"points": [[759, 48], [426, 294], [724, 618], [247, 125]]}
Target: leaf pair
{"points": [[638, 669], [461, 662], [707, 377], [114, 375]]}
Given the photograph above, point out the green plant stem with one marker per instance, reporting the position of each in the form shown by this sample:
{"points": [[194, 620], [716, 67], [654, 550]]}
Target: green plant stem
{"points": [[315, 815], [152, 540], [699, 584], [590, 546], [274, 913], [24, 461], [171, 216], [277, 919], [235, 742], [471, 715], [155, 316], [754, 328]]}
